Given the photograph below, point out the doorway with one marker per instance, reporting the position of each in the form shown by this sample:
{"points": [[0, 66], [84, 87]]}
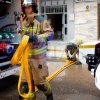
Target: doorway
{"points": [[56, 24]]}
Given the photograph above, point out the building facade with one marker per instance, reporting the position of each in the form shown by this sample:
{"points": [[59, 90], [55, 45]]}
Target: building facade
{"points": [[61, 13]]}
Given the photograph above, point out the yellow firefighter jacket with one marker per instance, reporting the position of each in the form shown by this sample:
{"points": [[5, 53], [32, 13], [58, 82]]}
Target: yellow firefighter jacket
{"points": [[42, 30]]}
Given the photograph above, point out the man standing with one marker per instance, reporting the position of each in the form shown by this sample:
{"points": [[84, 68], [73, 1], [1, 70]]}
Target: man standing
{"points": [[40, 32]]}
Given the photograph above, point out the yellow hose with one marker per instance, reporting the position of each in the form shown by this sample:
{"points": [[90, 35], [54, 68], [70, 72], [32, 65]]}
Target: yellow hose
{"points": [[22, 54], [49, 78], [21, 57]]}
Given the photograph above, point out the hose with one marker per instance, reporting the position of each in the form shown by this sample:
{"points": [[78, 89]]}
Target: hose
{"points": [[22, 54], [21, 57], [49, 78]]}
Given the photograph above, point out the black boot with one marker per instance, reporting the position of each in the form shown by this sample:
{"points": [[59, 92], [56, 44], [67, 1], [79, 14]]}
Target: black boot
{"points": [[20, 98], [24, 89], [78, 63], [50, 96]]}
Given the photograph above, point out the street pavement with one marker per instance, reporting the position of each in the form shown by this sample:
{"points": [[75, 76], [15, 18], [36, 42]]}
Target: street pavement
{"points": [[74, 83]]}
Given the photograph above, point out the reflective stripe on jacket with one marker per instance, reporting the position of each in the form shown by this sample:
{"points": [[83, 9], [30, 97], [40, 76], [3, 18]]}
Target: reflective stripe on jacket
{"points": [[31, 28], [37, 51], [43, 32]]}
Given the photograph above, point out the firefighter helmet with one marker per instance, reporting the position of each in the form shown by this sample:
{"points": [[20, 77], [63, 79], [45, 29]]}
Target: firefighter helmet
{"points": [[71, 46], [32, 3]]}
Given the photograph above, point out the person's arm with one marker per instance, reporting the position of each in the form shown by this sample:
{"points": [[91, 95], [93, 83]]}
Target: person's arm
{"points": [[47, 36], [74, 54], [66, 51], [20, 28], [47, 33], [78, 44]]}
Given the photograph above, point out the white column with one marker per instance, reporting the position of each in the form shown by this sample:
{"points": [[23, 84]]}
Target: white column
{"points": [[70, 20]]}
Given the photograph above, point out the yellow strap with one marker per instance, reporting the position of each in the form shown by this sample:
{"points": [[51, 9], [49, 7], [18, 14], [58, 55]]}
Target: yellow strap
{"points": [[22, 54]]}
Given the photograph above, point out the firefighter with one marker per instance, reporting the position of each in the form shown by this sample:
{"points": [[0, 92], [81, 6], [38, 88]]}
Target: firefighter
{"points": [[40, 32], [72, 49]]}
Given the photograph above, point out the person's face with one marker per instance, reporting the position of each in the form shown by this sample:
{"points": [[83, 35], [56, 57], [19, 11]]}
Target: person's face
{"points": [[28, 10]]}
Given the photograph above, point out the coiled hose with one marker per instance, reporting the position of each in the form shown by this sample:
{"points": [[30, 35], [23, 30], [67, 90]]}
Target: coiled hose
{"points": [[21, 57]]}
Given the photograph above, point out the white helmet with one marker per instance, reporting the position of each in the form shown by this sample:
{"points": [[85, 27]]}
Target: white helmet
{"points": [[27, 3], [32, 3]]}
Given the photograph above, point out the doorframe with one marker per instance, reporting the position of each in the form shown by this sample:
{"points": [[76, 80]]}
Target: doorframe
{"points": [[98, 20]]}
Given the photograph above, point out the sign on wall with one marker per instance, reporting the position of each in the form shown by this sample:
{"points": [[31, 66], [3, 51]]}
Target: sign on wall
{"points": [[87, 9]]}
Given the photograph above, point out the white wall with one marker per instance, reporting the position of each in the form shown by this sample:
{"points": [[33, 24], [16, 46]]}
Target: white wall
{"points": [[71, 24], [86, 22]]}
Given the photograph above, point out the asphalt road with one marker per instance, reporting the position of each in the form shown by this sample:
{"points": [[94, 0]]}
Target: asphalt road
{"points": [[74, 83]]}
